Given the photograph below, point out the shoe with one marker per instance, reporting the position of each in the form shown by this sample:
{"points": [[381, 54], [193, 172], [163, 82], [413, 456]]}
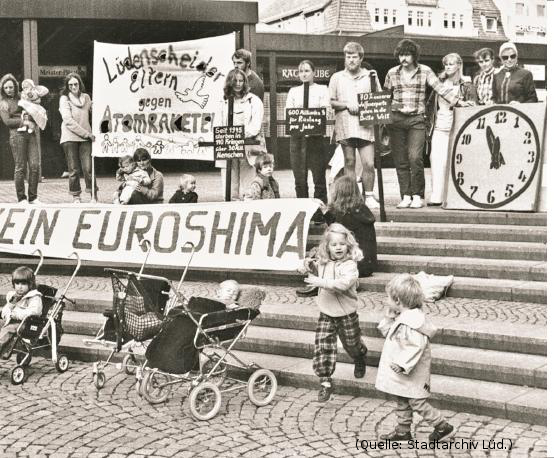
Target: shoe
{"points": [[417, 202], [307, 291], [76, 200], [65, 175], [442, 431], [23, 202], [370, 201], [434, 204], [36, 202], [396, 436], [324, 393], [359, 368], [406, 202]]}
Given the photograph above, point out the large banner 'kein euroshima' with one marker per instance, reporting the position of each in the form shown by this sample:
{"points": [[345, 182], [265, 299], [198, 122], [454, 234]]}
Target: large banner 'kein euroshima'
{"points": [[165, 97], [262, 234]]}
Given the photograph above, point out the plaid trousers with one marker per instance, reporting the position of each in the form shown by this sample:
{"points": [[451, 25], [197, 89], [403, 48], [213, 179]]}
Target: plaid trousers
{"points": [[328, 327]]}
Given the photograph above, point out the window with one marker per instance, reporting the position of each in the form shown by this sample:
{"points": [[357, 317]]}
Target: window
{"points": [[410, 17], [461, 21], [453, 20], [393, 17], [491, 24], [520, 6], [385, 16], [541, 10], [376, 17], [420, 18], [446, 20], [429, 17]]}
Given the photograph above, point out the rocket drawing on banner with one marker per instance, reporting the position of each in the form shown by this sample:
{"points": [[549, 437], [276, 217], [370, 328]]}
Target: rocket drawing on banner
{"points": [[494, 147], [193, 94]]}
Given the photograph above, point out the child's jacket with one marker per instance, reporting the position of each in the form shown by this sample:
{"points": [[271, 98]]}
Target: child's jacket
{"points": [[262, 187], [30, 304], [338, 297], [406, 344]]}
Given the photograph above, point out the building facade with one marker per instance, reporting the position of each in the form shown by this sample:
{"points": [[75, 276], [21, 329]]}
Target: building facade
{"points": [[524, 20]]}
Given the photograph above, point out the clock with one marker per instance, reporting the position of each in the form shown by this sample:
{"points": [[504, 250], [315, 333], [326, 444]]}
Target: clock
{"points": [[495, 157]]}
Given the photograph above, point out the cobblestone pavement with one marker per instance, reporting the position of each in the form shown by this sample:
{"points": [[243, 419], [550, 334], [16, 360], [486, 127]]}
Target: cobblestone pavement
{"points": [[62, 415], [453, 307]]}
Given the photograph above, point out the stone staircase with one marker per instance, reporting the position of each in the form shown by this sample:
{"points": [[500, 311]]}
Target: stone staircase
{"points": [[495, 368]]}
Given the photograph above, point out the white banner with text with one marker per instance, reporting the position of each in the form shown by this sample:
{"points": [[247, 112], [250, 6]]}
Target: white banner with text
{"points": [[261, 234], [165, 97]]}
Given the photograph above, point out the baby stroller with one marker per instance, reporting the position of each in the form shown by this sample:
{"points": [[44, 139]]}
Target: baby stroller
{"points": [[203, 326], [140, 302], [42, 332]]}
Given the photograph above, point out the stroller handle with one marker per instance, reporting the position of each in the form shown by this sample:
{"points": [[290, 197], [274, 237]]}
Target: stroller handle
{"points": [[148, 245], [185, 270], [39, 265]]}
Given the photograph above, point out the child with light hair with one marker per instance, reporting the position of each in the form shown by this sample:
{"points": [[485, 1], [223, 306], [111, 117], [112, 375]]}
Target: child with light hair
{"points": [[405, 364], [228, 293], [131, 175], [185, 194]]}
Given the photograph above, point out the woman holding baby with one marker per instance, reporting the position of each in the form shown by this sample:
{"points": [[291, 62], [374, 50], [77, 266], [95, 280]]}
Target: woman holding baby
{"points": [[23, 140]]}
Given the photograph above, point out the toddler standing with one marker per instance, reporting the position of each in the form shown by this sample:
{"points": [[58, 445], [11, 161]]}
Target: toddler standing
{"points": [[185, 194], [405, 365], [22, 302], [337, 301], [131, 176]]}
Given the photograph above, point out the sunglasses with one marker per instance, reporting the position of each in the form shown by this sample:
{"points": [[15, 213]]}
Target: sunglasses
{"points": [[511, 56]]}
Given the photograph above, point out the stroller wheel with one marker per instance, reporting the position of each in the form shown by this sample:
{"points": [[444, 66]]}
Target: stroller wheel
{"points": [[218, 376], [62, 364], [155, 387], [205, 401], [130, 364], [23, 359], [99, 380], [18, 375], [262, 386]]}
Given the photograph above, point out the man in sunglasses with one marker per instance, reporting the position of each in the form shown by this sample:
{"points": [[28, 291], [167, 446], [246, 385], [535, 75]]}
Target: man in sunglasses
{"points": [[512, 84], [484, 57]]}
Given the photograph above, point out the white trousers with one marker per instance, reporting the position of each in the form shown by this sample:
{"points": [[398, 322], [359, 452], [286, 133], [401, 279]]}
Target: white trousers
{"points": [[439, 159]]}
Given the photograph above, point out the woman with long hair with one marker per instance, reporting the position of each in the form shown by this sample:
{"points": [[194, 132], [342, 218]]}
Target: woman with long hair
{"points": [[442, 117], [248, 111], [76, 134]]}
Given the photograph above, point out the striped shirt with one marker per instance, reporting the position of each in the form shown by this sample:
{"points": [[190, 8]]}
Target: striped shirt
{"points": [[483, 84], [411, 93]]}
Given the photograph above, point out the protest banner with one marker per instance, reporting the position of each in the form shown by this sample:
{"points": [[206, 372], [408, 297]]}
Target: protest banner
{"points": [[375, 108], [263, 234], [165, 97]]}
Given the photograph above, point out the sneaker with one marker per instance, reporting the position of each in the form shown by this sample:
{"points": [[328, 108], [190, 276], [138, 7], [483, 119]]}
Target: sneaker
{"points": [[76, 200], [324, 393], [396, 436], [417, 202], [23, 202], [406, 202], [307, 291], [359, 368], [442, 431], [36, 202], [65, 175], [370, 201]]}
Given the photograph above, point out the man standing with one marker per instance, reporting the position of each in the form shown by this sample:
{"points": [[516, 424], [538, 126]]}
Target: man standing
{"points": [[483, 80], [344, 88], [407, 82], [242, 60]]}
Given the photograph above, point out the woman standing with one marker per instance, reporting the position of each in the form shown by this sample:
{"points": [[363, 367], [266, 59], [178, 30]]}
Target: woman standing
{"points": [[441, 118], [23, 144], [512, 84], [248, 111], [314, 154], [76, 134]]}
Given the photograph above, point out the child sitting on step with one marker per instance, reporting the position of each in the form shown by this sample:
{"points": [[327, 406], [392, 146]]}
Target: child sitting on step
{"points": [[337, 301], [185, 194], [25, 300], [405, 365]]}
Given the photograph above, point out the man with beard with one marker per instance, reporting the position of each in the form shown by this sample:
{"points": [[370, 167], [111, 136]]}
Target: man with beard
{"points": [[408, 82]]}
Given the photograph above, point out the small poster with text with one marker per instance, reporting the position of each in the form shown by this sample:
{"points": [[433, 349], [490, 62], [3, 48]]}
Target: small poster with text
{"points": [[306, 121], [375, 108], [229, 142]]}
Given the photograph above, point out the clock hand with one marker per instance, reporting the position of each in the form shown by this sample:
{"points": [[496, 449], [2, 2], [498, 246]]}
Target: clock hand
{"points": [[498, 158], [490, 142]]}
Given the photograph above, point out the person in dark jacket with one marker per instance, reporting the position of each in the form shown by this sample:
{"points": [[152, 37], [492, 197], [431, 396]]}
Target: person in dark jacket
{"points": [[186, 193], [512, 84], [347, 207]]}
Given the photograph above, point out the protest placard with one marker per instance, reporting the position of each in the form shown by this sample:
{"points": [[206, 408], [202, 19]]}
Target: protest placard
{"points": [[165, 97], [262, 234], [375, 108], [305, 121], [229, 142]]}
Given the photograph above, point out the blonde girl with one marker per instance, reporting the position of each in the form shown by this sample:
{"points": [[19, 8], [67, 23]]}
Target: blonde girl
{"points": [[337, 279], [185, 194]]}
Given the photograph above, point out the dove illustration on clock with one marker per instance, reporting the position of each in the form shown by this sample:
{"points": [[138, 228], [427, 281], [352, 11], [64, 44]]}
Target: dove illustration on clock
{"points": [[495, 156]]}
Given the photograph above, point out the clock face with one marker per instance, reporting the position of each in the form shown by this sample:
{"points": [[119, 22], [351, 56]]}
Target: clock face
{"points": [[495, 156]]}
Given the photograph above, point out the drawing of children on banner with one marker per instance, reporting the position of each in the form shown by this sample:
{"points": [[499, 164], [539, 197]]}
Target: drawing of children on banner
{"points": [[160, 96]]}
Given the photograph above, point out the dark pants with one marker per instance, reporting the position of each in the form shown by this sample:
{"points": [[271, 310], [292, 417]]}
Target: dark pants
{"points": [[79, 157], [24, 148], [315, 157], [407, 134]]}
